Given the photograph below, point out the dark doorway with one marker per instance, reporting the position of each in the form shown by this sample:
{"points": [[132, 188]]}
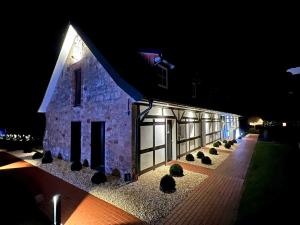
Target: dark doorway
{"points": [[75, 141], [169, 140], [98, 146]]}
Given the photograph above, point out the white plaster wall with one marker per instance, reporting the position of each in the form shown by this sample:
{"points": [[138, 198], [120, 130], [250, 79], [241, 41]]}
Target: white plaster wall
{"points": [[146, 137]]}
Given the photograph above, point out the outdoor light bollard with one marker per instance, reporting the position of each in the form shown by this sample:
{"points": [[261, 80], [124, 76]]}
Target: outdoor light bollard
{"points": [[56, 210]]}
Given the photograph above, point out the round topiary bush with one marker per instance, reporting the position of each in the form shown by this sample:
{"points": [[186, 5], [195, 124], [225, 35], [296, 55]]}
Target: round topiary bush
{"points": [[99, 178], [176, 170], [206, 160], [230, 142], [213, 151], [37, 155], [227, 145], [167, 184], [76, 166], [189, 157], [47, 157], [234, 141], [59, 156], [115, 172], [216, 144], [85, 163], [224, 141], [200, 155]]}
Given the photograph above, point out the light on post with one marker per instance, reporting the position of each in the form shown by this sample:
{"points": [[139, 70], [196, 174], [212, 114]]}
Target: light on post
{"points": [[56, 210]]}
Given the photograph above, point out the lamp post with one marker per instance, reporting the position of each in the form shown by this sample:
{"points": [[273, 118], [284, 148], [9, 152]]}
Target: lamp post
{"points": [[56, 210]]}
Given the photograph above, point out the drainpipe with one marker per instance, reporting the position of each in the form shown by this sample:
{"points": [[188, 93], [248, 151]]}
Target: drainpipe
{"points": [[137, 137]]}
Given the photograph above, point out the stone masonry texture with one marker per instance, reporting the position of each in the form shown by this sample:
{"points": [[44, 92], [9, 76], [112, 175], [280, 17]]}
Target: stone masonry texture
{"points": [[101, 100]]}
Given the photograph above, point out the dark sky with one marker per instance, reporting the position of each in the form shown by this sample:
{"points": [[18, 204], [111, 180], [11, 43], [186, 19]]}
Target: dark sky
{"points": [[248, 49]]}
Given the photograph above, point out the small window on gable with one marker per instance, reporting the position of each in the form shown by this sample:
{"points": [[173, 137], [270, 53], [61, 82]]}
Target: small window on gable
{"points": [[162, 76], [77, 96], [194, 90]]}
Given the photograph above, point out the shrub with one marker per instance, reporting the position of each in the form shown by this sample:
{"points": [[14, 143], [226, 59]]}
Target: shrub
{"points": [[47, 157], [206, 160], [216, 144], [99, 178], [37, 155], [230, 142], [224, 141], [167, 184], [227, 145], [234, 141], [176, 170], [200, 155], [213, 151], [59, 156], [115, 172], [85, 163], [76, 166], [220, 143], [189, 157]]}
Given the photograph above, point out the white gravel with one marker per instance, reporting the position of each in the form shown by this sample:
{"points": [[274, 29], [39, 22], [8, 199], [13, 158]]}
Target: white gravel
{"points": [[216, 160], [141, 198]]}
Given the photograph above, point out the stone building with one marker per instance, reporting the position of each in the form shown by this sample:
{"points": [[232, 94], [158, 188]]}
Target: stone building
{"points": [[100, 106]]}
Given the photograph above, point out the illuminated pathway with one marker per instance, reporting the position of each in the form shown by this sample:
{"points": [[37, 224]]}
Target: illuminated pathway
{"points": [[78, 207], [215, 201]]}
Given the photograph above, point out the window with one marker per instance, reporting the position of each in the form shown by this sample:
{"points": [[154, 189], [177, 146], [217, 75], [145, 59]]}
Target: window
{"points": [[182, 131], [77, 100], [194, 90], [162, 76]]}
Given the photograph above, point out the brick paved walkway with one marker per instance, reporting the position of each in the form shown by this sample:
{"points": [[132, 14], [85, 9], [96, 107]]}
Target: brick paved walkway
{"points": [[215, 201], [78, 207]]}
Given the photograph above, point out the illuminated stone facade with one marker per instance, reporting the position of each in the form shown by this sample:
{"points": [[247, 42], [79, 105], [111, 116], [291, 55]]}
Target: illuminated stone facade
{"points": [[101, 100]]}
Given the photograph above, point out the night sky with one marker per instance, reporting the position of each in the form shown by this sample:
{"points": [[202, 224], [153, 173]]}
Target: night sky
{"points": [[247, 51]]}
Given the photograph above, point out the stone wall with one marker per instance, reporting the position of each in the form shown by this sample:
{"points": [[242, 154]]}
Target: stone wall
{"points": [[102, 100]]}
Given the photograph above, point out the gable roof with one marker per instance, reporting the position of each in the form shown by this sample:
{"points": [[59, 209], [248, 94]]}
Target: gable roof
{"points": [[124, 63], [72, 32]]}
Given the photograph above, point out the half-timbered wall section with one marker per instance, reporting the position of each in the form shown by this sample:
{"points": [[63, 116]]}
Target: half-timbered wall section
{"points": [[189, 131], [168, 132], [212, 127]]}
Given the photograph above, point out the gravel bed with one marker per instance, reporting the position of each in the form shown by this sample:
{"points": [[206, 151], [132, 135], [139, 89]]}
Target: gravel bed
{"points": [[216, 160], [141, 198]]}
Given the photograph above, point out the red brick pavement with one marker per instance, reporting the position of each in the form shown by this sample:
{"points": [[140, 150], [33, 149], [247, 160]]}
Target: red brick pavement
{"points": [[215, 201], [78, 206]]}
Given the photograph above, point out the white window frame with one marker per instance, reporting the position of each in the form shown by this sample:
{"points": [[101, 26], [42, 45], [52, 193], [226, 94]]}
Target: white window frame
{"points": [[163, 74]]}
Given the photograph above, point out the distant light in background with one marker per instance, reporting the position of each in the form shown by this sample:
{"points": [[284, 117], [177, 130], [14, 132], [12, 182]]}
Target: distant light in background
{"points": [[2, 132], [255, 123], [294, 71], [284, 124]]}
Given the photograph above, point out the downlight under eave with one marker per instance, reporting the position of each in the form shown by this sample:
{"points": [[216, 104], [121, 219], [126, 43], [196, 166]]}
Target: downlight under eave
{"points": [[63, 55]]}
